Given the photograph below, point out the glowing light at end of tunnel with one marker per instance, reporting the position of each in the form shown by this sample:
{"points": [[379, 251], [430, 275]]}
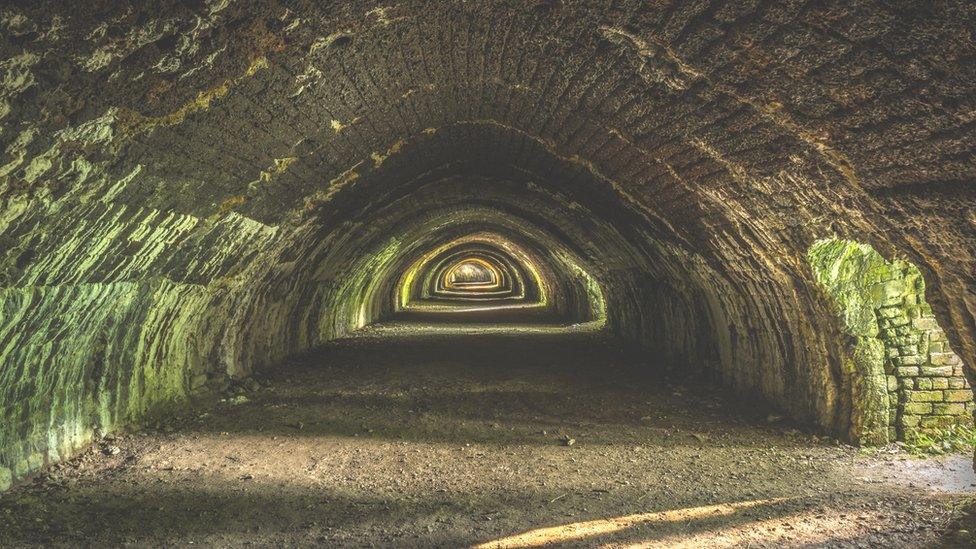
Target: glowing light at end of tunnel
{"points": [[406, 300], [473, 274]]}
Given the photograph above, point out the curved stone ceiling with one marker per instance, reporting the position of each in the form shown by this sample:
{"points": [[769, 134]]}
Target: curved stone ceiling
{"points": [[211, 190]]}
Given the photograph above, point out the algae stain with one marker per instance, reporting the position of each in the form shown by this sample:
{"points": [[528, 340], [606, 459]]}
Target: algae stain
{"points": [[230, 203], [282, 164], [382, 15], [335, 185], [338, 38], [202, 102], [395, 148], [279, 167], [344, 179]]}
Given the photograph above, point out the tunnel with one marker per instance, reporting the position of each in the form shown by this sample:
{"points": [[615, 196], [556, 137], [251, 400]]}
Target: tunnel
{"points": [[501, 273]]}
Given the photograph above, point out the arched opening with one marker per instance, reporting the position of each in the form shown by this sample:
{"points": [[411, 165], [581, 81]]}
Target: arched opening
{"points": [[472, 274], [905, 382]]}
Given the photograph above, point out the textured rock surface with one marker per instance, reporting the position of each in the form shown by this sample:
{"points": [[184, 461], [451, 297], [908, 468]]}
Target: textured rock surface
{"points": [[905, 378], [192, 189]]}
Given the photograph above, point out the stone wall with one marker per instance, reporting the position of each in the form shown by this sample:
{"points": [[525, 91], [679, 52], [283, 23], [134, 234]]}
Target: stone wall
{"points": [[262, 159], [884, 308], [926, 385]]}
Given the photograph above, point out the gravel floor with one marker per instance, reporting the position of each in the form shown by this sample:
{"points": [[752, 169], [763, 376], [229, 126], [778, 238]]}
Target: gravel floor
{"points": [[506, 438]]}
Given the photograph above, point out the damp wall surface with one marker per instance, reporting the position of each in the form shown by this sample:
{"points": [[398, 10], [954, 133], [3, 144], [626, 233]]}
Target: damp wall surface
{"points": [[908, 379]]}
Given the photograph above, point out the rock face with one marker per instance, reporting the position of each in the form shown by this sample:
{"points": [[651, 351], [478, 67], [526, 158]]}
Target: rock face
{"points": [[196, 189], [905, 378]]}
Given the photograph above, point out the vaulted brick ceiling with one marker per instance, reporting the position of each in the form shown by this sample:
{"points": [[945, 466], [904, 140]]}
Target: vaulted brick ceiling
{"points": [[243, 173]]}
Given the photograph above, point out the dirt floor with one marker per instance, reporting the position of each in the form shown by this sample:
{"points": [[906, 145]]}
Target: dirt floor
{"points": [[508, 439]]}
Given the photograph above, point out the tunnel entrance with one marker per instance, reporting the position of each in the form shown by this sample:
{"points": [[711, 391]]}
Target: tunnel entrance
{"points": [[486, 277], [473, 275], [905, 382]]}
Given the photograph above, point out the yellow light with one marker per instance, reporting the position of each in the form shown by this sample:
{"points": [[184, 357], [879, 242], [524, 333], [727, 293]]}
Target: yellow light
{"points": [[404, 298], [454, 277], [592, 528]]}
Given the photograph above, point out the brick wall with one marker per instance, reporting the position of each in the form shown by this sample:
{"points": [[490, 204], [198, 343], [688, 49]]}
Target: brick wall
{"points": [[884, 301], [926, 385]]}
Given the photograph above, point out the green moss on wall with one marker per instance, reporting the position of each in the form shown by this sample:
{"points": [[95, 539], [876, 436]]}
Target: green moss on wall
{"points": [[350, 308], [901, 370], [124, 364]]}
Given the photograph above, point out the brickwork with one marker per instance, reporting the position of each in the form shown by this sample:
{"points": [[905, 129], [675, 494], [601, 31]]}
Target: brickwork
{"points": [[884, 301], [232, 176], [926, 384]]}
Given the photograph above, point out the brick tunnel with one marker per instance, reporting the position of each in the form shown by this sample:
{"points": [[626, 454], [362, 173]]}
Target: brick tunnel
{"points": [[500, 274]]}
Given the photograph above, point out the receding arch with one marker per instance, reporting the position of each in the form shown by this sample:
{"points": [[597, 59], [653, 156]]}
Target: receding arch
{"points": [[200, 193]]}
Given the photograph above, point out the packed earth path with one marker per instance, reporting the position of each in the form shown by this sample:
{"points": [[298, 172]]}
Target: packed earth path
{"points": [[513, 436]]}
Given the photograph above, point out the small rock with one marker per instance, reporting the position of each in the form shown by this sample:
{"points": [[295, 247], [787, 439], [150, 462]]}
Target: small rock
{"points": [[111, 450], [567, 440]]}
